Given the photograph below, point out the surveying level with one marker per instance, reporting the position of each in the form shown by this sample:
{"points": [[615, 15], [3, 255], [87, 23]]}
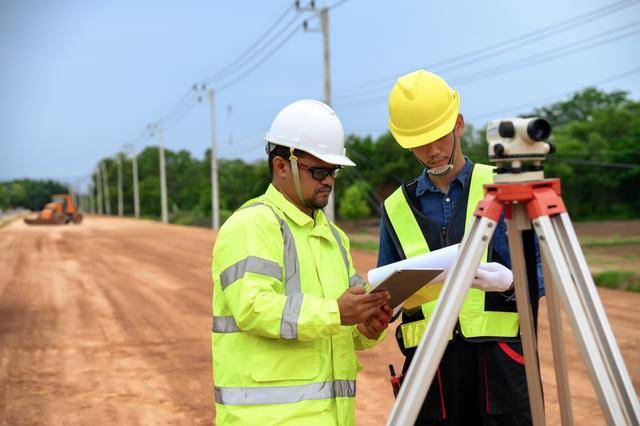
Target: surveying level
{"points": [[530, 203]]}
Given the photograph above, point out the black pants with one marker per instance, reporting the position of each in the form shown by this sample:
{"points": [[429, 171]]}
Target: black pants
{"points": [[477, 384]]}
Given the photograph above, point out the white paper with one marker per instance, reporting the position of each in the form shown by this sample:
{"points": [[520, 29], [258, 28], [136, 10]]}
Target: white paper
{"points": [[443, 258]]}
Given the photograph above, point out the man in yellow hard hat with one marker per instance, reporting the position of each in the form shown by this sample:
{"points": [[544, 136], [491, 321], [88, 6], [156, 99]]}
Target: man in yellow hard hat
{"points": [[481, 378], [289, 309]]}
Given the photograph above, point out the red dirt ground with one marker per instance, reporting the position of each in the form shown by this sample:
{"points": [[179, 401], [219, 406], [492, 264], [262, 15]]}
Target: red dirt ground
{"points": [[109, 322]]}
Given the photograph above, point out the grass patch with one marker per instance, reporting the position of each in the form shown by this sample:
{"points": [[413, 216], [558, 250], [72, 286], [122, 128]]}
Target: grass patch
{"points": [[618, 279], [592, 242], [364, 245]]}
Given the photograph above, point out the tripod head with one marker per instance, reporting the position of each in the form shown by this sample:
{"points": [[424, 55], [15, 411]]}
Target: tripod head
{"points": [[518, 147]]}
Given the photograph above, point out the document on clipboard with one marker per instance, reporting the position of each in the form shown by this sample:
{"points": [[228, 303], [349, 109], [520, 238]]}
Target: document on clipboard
{"points": [[403, 283]]}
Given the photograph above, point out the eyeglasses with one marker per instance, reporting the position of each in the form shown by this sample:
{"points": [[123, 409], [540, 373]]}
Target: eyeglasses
{"points": [[321, 173]]}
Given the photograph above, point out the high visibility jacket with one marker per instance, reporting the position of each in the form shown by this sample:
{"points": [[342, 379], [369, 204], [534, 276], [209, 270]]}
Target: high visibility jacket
{"points": [[280, 354], [483, 315]]}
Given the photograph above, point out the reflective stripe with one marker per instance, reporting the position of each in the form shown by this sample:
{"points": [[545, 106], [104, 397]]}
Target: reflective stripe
{"points": [[343, 251], [290, 255], [224, 325], [290, 259], [290, 315], [356, 281], [285, 394], [292, 285], [404, 224], [251, 264]]}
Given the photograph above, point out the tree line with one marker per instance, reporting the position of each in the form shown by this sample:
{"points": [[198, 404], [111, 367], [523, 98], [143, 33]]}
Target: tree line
{"points": [[597, 136]]}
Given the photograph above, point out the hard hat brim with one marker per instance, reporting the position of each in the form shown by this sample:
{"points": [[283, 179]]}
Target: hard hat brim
{"points": [[335, 159], [429, 136]]}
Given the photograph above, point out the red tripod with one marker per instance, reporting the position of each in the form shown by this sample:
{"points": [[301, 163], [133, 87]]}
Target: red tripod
{"points": [[530, 205]]}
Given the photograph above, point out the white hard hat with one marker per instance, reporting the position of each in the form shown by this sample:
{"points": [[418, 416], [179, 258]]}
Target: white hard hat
{"points": [[313, 127]]}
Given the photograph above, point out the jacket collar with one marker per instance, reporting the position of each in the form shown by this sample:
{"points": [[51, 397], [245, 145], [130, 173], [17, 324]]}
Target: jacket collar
{"points": [[299, 217]]}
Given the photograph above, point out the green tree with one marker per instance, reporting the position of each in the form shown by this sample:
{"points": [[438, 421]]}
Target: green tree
{"points": [[354, 204]]}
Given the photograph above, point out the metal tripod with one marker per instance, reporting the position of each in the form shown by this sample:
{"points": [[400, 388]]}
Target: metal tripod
{"points": [[566, 277]]}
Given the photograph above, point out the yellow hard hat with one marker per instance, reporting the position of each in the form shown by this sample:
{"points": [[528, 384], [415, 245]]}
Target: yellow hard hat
{"points": [[422, 109]]}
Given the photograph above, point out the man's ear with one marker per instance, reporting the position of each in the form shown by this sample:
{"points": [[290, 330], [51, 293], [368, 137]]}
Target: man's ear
{"points": [[280, 167], [460, 126]]}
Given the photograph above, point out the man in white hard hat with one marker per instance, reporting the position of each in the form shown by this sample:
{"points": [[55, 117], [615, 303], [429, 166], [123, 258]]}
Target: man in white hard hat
{"points": [[481, 377], [289, 309]]}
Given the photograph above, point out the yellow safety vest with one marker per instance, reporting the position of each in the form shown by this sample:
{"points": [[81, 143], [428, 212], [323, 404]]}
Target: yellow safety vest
{"points": [[280, 354], [474, 320]]}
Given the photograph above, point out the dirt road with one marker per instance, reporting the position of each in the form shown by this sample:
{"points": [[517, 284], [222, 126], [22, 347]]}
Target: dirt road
{"points": [[109, 322]]}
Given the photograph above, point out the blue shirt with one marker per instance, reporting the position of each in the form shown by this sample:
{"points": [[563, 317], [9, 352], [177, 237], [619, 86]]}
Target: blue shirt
{"points": [[439, 207]]}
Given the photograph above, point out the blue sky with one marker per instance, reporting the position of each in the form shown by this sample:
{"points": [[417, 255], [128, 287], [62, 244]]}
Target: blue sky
{"points": [[82, 78]]}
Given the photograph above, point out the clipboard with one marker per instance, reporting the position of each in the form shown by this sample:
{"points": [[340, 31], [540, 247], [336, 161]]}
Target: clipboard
{"points": [[403, 283]]}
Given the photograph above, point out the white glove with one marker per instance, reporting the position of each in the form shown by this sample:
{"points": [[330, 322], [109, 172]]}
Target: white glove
{"points": [[492, 277]]}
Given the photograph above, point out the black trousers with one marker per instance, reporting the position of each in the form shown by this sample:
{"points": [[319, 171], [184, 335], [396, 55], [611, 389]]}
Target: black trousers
{"points": [[477, 384]]}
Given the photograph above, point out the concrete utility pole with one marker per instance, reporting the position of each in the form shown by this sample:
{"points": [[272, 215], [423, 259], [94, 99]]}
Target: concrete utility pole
{"points": [[92, 201], [120, 204], [329, 210], [215, 195], [105, 182], [134, 170], [99, 189], [156, 129]]}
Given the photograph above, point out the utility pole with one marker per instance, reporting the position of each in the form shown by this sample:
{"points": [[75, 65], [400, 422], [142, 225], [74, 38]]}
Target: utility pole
{"points": [[92, 202], [99, 189], [134, 170], [163, 178], [120, 204], [215, 195], [329, 210], [105, 182]]}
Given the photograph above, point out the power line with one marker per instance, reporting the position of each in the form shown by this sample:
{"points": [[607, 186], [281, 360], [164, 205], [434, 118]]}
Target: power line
{"points": [[288, 37], [251, 48], [241, 64], [557, 95], [562, 51], [524, 39]]}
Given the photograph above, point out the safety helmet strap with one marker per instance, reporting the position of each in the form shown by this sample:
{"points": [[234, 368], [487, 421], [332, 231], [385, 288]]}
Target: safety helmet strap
{"points": [[296, 177], [443, 170]]}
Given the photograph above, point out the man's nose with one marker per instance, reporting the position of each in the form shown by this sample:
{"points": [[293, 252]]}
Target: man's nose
{"points": [[329, 180]]}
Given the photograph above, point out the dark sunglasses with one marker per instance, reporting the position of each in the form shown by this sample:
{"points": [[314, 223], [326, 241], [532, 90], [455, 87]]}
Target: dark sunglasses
{"points": [[321, 173]]}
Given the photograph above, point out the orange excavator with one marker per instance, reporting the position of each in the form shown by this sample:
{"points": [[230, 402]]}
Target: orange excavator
{"points": [[59, 211]]}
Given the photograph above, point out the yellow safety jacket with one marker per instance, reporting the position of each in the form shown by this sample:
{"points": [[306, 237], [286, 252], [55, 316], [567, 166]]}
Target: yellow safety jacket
{"points": [[280, 354], [411, 231]]}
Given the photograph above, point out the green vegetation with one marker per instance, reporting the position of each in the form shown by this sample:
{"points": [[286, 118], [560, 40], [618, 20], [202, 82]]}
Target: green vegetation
{"points": [[364, 245], [591, 129], [608, 242], [618, 279], [28, 193], [353, 204]]}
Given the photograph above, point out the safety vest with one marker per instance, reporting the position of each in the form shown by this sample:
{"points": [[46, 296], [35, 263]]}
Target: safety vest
{"points": [[280, 354], [414, 234]]}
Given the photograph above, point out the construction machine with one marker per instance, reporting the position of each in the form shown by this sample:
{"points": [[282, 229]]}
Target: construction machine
{"points": [[59, 211]]}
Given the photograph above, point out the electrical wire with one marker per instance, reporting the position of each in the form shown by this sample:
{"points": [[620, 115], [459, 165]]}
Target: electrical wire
{"points": [[288, 37], [560, 52], [489, 51], [227, 69], [549, 98], [215, 79]]}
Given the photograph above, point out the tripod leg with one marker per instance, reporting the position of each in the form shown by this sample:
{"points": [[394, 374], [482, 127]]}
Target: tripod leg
{"points": [[518, 223], [596, 316], [615, 410], [557, 344], [436, 336]]}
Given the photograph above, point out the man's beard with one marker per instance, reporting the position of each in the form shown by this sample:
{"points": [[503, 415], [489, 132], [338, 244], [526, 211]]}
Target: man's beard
{"points": [[318, 201]]}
